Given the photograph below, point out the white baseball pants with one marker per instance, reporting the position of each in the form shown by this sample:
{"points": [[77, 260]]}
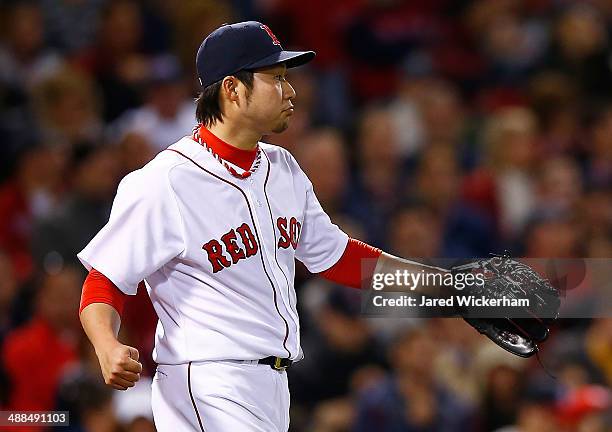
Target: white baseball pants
{"points": [[220, 396]]}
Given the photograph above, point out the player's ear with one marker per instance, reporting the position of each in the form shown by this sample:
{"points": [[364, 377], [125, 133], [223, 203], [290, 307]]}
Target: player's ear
{"points": [[229, 87]]}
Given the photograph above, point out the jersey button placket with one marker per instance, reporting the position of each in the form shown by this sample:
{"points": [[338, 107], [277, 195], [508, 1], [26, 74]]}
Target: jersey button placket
{"points": [[253, 198], [259, 194], [256, 192]]}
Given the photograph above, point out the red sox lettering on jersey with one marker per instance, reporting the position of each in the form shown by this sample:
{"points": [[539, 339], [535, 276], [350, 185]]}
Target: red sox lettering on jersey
{"points": [[219, 260], [227, 251], [217, 252], [290, 235]]}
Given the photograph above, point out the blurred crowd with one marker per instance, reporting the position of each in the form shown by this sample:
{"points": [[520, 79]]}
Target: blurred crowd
{"points": [[429, 128]]}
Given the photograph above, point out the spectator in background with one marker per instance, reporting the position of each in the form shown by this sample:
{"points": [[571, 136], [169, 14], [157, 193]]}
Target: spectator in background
{"points": [[559, 186], [552, 236], [167, 114], [23, 60], [90, 404], [82, 392], [595, 215], [23, 54], [68, 107], [599, 247], [534, 415], [442, 113], [339, 346], [323, 158], [134, 151], [599, 346], [116, 61], [498, 375], [133, 409], [457, 364], [192, 20], [504, 185], [31, 192], [574, 372], [555, 99], [436, 179], [586, 409], [415, 232], [411, 400], [380, 38], [466, 230], [580, 49], [375, 190], [8, 292], [84, 211], [406, 114], [334, 415], [429, 111], [599, 149], [513, 40], [71, 25], [52, 335]]}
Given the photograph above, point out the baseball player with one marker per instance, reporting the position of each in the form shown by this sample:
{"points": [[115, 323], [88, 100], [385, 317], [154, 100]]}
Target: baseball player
{"points": [[212, 226]]}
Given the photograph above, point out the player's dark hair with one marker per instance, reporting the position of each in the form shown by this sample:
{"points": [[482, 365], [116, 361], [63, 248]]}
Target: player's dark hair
{"points": [[208, 108]]}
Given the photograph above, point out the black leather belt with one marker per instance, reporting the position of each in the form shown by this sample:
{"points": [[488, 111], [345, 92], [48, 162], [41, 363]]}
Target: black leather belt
{"points": [[276, 363]]}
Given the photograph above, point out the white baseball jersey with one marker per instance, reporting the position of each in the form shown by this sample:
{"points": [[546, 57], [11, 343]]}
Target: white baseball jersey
{"points": [[217, 252]]}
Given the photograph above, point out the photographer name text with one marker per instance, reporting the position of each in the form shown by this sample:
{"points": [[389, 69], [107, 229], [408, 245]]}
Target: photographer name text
{"points": [[467, 301]]}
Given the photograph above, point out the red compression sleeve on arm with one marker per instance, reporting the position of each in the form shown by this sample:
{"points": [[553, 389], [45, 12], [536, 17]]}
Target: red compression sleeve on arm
{"points": [[99, 289], [347, 271]]}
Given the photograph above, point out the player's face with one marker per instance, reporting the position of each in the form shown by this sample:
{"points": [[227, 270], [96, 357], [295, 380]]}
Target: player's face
{"points": [[270, 106]]}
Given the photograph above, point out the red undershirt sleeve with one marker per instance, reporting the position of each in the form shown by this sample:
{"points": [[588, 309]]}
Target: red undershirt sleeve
{"points": [[347, 271], [97, 288]]}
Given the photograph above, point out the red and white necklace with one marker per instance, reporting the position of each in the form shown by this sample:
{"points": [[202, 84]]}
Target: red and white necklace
{"points": [[196, 137]]}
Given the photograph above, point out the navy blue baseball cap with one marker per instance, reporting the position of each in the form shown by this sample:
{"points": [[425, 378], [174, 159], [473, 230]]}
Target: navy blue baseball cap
{"points": [[244, 45]]}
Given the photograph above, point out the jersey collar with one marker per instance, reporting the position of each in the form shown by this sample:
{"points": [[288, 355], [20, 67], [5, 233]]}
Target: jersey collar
{"points": [[242, 158]]}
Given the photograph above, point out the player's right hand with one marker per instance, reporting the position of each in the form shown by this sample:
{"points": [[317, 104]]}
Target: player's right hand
{"points": [[120, 366]]}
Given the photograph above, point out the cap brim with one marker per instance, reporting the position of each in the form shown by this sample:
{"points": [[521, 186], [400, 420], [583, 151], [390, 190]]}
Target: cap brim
{"points": [[290, 58]]}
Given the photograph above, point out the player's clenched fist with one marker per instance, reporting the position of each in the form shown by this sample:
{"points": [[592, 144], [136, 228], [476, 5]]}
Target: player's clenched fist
{"points": [[120, 366]]}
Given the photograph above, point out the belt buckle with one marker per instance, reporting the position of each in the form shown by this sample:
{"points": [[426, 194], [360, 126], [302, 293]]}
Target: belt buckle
{"points": [[277, 364]]}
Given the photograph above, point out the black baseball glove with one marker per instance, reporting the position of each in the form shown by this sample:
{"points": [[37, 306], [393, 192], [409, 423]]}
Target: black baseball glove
{"points": [[525, 304]]}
